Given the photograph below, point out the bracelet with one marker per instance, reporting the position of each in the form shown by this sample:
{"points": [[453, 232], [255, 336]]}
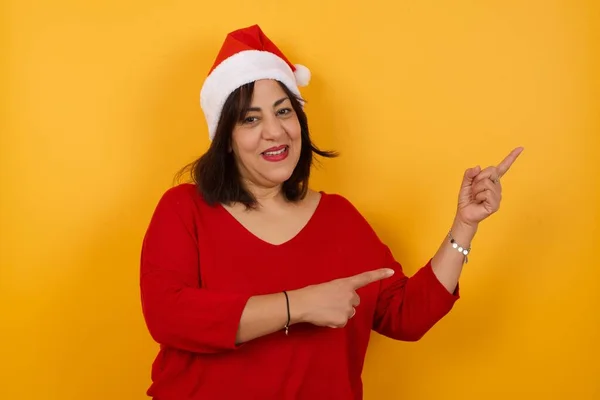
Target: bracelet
{"points": [[462, 249], [287, 302]]}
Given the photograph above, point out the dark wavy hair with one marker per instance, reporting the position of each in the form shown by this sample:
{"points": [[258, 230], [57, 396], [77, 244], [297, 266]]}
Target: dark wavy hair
{"points": [[215, 173]]}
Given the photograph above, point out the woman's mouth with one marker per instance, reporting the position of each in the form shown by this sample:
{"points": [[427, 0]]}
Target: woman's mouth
{"points": [[274, 154]]}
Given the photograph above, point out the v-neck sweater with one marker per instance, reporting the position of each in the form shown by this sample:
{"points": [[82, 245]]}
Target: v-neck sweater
{"points": [[199, 267]]}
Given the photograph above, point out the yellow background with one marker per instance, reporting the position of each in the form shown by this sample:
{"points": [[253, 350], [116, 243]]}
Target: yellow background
{"points": [[100, 109]]}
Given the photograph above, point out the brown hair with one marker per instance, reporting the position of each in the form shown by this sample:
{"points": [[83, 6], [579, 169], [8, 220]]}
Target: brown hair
{"points": [[216, 174]]}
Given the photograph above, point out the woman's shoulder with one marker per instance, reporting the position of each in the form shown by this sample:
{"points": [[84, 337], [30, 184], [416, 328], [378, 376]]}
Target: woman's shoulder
{"points": [[342, 207], [338, 200], [181, 191], [181, 197]]}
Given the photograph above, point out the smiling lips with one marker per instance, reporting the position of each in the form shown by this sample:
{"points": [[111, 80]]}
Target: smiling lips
{"points": [[277, 153]]}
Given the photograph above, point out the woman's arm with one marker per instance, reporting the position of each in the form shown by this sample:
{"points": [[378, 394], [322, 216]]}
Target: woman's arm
{"points": [[179, 313], [262, 316], [478, 198], [447, 263], [408, 307]]}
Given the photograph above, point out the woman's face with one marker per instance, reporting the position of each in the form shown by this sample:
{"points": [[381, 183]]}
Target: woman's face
{"points": [[267, 142]]}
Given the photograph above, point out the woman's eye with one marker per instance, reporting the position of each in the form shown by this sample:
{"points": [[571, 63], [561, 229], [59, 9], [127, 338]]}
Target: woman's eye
{"points": [[284, 111], [249, 120]]}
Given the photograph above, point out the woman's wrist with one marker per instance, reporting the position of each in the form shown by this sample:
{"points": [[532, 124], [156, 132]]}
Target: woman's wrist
{"points": [[462, 232], [297, 313]]}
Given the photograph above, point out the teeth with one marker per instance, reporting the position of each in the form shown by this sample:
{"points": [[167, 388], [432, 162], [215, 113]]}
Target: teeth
{"points": [[274, 153]]}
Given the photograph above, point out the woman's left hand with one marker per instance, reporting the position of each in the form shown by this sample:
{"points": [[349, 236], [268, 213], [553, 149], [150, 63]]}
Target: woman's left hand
{"points": [[481, 191]]}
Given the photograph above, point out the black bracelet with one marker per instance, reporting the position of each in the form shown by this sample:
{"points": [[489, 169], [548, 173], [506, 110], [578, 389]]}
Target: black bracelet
{"points": [[287, 301]]}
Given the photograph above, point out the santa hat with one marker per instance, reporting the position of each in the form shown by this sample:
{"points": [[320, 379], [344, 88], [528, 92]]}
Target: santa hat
{"points": [[247, 55]]}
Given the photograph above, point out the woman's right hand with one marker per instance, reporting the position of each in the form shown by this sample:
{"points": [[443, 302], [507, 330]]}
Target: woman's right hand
{"points": [[332, 303]]}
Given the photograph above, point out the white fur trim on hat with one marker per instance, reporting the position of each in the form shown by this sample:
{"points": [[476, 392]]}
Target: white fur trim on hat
{"points": [[241, 68]]}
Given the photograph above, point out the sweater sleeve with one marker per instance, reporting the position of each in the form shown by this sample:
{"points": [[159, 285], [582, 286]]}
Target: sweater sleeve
{"points": [[178, 312], [407, 308]]}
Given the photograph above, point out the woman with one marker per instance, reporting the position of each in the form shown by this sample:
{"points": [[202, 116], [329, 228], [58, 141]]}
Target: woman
{"points": [[256, 286]]}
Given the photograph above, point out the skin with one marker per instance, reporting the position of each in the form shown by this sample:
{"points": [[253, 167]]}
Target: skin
{"points": [[272, 122]]}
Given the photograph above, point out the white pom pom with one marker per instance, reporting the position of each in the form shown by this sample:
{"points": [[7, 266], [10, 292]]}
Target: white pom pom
{"points": [[302, 75]]}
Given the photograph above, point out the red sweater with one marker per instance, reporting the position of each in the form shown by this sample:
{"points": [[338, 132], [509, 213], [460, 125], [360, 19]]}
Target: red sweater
{"points": [[199, 266]]}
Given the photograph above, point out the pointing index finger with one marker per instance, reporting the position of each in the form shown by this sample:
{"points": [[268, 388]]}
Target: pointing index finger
{"points": [[365, 278], [504, 166]]}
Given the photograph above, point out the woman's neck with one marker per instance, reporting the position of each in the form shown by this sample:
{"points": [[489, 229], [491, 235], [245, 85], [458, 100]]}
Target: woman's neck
{"points": [[266, 196]]}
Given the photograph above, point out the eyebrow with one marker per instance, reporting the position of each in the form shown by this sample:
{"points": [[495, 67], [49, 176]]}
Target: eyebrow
{"points": [[278, 102]]}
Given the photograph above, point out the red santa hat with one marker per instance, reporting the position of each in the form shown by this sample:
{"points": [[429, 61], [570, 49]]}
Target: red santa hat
{"points": [[247, 55]]}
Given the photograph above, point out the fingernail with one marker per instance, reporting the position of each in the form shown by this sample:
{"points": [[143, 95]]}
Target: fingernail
{"points": [[389, 272]]}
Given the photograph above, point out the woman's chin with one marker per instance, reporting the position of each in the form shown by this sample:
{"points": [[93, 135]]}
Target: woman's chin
{"points": [[278, 176], [279, 179]]}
